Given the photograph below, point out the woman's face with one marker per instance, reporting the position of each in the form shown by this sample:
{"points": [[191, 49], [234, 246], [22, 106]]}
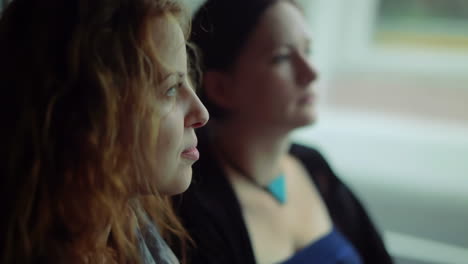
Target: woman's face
{"points": [[272, 78], [181, 111]]}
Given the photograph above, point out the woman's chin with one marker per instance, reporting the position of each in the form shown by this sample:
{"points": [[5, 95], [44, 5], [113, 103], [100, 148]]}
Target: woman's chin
{"points": [[305, 119], [180, 184]]}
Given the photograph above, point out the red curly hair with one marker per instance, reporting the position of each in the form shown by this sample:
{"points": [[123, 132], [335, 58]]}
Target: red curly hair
{"points": [[78, 80]]}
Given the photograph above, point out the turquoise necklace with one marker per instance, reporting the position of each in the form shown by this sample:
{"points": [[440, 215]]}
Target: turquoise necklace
{"points": [[276, 188]]}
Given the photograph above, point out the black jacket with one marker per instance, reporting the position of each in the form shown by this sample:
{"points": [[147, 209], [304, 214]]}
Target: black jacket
{"points": [[212, 215]]}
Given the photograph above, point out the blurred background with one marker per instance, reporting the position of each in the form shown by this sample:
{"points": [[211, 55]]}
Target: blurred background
{"points": [[393, 116]]}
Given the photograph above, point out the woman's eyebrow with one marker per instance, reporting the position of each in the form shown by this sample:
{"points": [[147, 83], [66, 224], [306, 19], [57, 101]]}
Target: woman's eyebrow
{"points": [[306, 42], [178, 74], [173, 73]]}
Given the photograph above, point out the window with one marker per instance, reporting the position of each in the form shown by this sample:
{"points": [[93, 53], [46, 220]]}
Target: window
{"points": [[428, 24]]}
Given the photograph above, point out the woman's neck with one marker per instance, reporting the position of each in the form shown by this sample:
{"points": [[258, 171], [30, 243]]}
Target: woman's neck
{"points": [[255, 151]]}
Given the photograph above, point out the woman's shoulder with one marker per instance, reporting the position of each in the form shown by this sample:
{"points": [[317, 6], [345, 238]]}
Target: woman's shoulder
{"points": [[315, 163], [307, 153], [345, 208]]}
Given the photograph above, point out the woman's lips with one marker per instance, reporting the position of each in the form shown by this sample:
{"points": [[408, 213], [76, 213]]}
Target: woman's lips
{"points": [[307, 99], [191, 153]]}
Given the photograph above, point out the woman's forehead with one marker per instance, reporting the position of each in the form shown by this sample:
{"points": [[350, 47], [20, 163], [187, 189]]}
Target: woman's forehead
{"points": [[169, 43], [281, 24], [167, 35]]}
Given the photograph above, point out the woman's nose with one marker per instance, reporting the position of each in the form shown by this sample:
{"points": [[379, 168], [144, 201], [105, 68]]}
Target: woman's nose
{"points": [[306, 72], [197, 115]]}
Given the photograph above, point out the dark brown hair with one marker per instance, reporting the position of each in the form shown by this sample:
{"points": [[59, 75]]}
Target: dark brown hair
{"points": [[220, 30]]}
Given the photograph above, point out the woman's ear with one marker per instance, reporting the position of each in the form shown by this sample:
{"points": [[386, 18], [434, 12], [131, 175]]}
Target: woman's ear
{"points": [[217, 89]]}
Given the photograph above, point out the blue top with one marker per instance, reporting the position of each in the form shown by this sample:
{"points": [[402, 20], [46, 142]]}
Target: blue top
{"points": [[333, 248]]}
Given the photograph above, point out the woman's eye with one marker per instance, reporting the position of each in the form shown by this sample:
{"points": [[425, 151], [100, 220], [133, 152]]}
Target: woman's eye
{"points": [[172, 91], [281, 57]]}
